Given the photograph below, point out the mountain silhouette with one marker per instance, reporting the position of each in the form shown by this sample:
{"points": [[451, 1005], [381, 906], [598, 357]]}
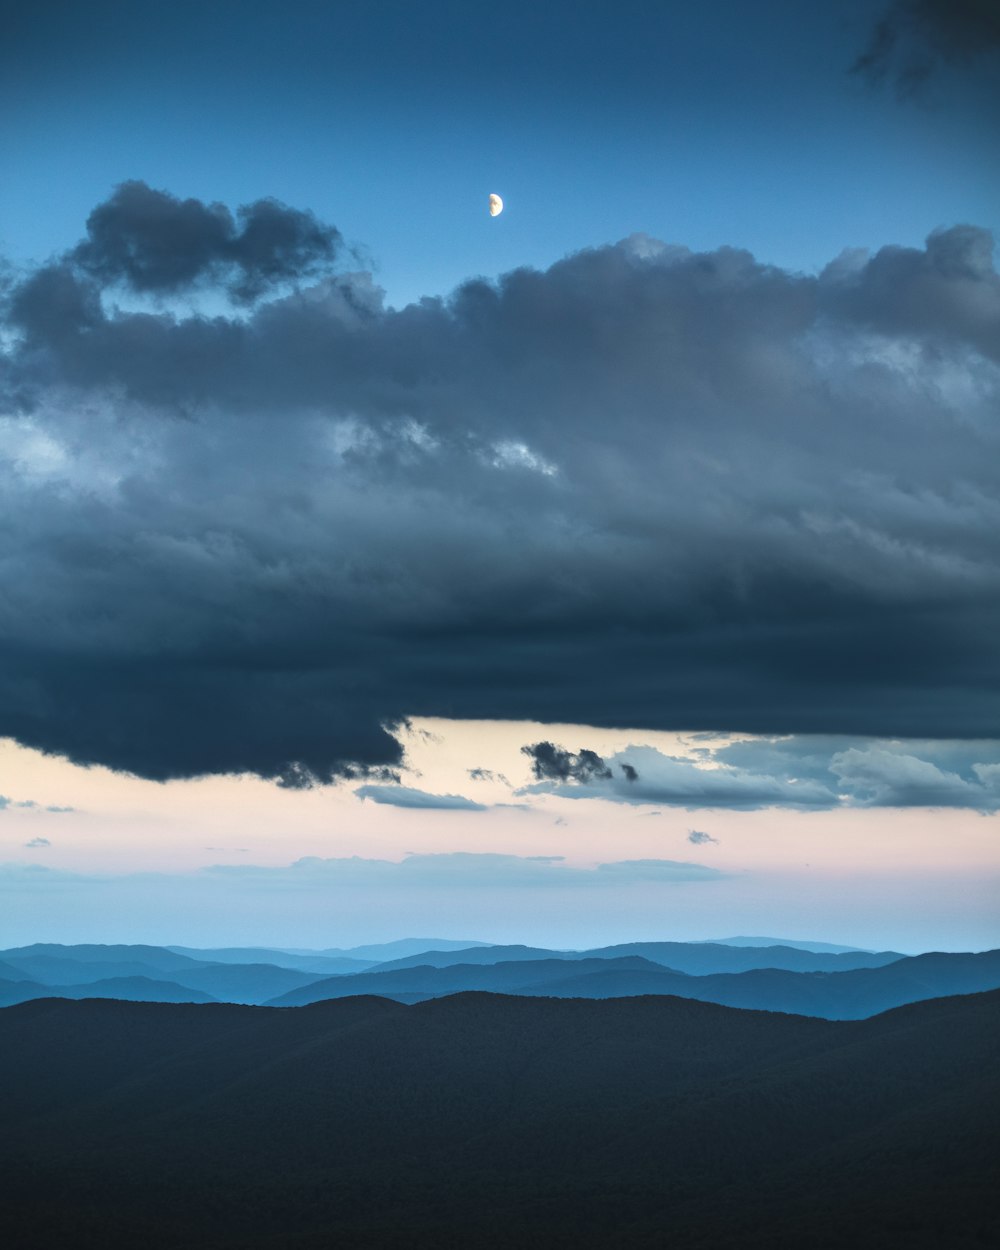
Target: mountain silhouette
{"points": [[846, 995], [697, 958]]}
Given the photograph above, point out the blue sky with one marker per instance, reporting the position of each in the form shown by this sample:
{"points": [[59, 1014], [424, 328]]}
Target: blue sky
{"points": [[722, 123], [351, 529]]}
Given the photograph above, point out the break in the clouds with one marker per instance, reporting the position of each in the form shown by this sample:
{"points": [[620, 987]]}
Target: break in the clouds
{"points": [[645, 487], [802, 773]]}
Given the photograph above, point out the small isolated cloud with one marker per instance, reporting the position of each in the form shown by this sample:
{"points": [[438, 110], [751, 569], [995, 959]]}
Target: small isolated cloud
{"points": [[552, 763], [406, 796], [487, 774], [698, 838], [37, 843], [30, 805], [657, 870]]}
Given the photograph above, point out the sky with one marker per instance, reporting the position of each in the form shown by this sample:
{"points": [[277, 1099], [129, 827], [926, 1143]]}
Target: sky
{"points": [[622, 567]]}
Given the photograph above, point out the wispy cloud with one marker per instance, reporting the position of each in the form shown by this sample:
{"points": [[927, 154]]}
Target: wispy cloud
{"points": [[457, 870], [406, 796]]}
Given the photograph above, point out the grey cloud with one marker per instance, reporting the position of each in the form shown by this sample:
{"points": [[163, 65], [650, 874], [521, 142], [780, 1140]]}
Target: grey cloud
{"points": [[151, 241], [29, 805], [876, 777], [805, 773], [552, 763], [643, 488], [699, 838], [487, 774], [914, 37], [405, 796], [36, 843], [680, 782]]}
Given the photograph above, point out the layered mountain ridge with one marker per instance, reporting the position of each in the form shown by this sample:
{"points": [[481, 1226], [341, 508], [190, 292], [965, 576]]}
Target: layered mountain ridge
{"points": [[832, 984]]}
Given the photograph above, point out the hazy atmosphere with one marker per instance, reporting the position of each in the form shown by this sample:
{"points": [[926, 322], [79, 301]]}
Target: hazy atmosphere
{"points": [[622, 566]]}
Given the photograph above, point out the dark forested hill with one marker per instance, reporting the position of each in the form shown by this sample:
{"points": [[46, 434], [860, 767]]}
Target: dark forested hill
{"points": [[480, 1121]]}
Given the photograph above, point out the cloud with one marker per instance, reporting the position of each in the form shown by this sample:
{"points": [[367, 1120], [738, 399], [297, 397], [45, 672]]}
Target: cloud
{"points": [[36, 843], [680, 782], [30, 805], [799, 773], [552, 763], [460, 870], [749, 500], [487, 774], [913, 38], [697, 838], [875, 777], [405, 796], [152, 242]]}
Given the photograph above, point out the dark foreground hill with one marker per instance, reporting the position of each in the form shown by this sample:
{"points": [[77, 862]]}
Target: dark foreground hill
{"points": [[482, 1121]]}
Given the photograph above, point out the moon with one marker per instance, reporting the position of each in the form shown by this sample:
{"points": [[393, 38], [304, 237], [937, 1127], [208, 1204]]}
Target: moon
{"points": [[496, 205]]}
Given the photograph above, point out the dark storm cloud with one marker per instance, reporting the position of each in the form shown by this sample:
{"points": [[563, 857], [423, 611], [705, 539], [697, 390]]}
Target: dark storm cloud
{"points": [[644, 488], [913, 37], [151, 241]]}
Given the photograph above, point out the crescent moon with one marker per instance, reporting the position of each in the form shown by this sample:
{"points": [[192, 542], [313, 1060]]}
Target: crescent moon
{"points": [[496, 206]]}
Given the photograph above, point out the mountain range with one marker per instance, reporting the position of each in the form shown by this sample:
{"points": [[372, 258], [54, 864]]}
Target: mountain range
{"points": [[838, 984]]}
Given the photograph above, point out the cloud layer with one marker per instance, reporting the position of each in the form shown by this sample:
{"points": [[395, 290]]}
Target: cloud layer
{"points": [[806, 773], [643, 488]]}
